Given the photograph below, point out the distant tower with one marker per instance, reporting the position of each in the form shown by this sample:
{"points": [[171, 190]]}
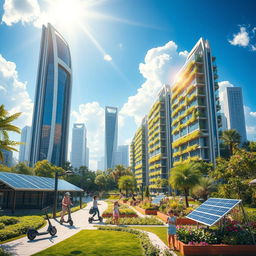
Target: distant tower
{"points": [[79, 141], [233, 107], [111, 135], [122, 155], [87, 163], [25, 147], [52, 100]]}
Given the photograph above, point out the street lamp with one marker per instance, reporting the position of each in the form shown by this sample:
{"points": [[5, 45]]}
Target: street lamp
{"points": [[56, 190]]}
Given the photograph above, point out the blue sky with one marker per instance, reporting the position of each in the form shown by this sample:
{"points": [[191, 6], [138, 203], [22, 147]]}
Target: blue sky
{"points": [[143, 42]]}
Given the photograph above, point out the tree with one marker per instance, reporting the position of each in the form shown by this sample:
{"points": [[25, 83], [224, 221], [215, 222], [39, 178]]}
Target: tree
{"points": [[204, 188], [158, 183], [164, 183], [203, 167], [4, 168], [147, 194], [67, 166], [6, 126], [101, 181], [231, 138], [22, 168], [120, 171], [184, 177], [127, 183], [45, 169]]}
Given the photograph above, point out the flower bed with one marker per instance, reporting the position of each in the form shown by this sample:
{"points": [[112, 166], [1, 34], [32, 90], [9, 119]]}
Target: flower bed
{"points": [[234, 239], [136, 221], [147, 208], [125, 212], [146, 211], [180, 220], [213, 249]]}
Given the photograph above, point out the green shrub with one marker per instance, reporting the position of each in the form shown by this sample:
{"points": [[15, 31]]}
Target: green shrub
{"points": [[4, 253], [21, 226], [148, 206], [136, 221], [7, 220], [148, 248], [123, 209], [2, 225]]}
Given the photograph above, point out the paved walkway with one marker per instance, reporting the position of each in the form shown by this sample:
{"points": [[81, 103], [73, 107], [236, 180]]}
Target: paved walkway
{"points": [[24, 247]]}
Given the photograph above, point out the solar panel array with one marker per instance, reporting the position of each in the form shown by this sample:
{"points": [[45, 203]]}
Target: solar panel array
{"points": [[212, 210], [36, 183], [158, 199]]}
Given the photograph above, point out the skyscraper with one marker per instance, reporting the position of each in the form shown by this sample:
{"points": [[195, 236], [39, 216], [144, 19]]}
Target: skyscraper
{"points": [[52, 100], [122, 155], [195, 103], [87, 159], [25, 147], [233, 108], [111, 135], [8, 158], [78, 150]]}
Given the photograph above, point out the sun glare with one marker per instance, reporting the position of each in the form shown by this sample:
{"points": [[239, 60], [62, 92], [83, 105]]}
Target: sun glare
{"points": [[66, 13]]}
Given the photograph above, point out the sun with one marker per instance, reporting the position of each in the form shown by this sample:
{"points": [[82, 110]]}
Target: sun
{"points": [[66, 13]]}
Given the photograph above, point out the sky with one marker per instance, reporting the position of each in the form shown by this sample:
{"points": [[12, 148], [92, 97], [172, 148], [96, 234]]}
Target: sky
{"points": [[122, 53]]}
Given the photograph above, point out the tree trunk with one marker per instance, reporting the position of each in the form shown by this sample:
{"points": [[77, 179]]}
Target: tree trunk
{"points": [[126, 191], [231, 149], [186, 196]]}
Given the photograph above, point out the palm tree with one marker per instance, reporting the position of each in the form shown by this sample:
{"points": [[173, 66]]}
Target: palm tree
{"points": [[5, 126], [204, 188], [127, 183], [119, 171], [184, 177], [231, 138]]}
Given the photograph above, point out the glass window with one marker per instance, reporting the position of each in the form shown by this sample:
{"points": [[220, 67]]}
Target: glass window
{"points": [[63, 51]]}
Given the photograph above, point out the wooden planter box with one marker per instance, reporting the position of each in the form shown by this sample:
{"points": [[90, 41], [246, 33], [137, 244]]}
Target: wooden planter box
{"points": [[145, 211], [110, 215], [215, 249], [180, 221]]}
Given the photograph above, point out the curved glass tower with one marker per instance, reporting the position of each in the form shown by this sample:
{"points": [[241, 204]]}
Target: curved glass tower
{"points": [[52, 100]]}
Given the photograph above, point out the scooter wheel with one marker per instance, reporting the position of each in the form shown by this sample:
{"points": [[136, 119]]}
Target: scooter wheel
{"points": [[31, 234], [90, 220], [71, 223], [100, 219], [53, 231]]}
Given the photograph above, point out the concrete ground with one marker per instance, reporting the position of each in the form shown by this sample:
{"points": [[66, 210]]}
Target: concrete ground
{"points": [[24, 247]]}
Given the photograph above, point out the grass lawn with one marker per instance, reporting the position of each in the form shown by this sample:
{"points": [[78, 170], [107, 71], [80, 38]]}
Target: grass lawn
{"points": [[97, 243]]}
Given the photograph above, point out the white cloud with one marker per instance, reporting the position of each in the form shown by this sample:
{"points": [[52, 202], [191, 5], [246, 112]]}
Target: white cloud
{"points": [[241, 38], [92, 114], [107, 57], [250, 120], [19, 99], [253, 47], [253, 114], [24, 11], [159, 67]]}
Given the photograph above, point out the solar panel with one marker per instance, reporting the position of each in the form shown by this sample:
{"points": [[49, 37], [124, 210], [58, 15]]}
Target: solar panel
{"points": [[212, 210], [36, 183], [158, 199]]}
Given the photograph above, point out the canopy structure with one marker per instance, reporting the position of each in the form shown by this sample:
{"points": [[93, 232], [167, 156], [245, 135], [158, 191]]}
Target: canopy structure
{"points": [[27, 191], [212, 210], [22, 182]]}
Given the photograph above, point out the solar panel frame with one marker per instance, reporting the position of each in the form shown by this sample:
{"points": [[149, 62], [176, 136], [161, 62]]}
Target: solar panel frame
{"points": [[212, 210], [22, 182]]}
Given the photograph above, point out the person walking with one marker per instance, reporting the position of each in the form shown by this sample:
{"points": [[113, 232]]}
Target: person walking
{"points": [[95, 207], [66, 202], [171, 221]]}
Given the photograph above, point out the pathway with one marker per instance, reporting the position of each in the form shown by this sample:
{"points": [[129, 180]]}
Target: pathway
{"points": [[24, 247]]}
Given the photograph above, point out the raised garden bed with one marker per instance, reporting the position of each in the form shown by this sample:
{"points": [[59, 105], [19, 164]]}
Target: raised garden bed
{"points": [[125, 211], [214, 249], [110, 215], [146, 211], [180, 220]]}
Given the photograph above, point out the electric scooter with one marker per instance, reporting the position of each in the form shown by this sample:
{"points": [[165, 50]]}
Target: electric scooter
{"points": [[91, 219], [69, 220], [32, 232]]}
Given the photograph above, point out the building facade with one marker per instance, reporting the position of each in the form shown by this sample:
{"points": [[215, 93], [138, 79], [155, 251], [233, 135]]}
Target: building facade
{"points": [[159, 140], [194, 107], [122, 155], [79, 142], [87, 161], [139, 154], [111, 135], [52, 100], [233, 108], [8, 158], [25, 146]]}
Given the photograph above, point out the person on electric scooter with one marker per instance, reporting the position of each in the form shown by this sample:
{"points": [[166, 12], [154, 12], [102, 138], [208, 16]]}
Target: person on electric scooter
{"points": [[95, 207], [66, 202]]}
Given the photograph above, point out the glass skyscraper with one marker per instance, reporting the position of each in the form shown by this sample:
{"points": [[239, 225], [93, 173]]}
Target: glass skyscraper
{"points": [[52, 100], [25, 147], [111, 133], [233, 108], [79, 150]]}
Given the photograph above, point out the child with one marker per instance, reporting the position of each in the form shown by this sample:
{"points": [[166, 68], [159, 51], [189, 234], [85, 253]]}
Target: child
{"points": [[116, 213], [171, 221]]}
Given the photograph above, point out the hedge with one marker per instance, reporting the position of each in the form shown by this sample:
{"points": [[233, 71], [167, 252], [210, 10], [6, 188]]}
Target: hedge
{"points": [[16, 226]]}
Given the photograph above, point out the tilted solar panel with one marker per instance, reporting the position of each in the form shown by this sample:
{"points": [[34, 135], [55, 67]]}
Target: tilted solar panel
{"points": [[212, 210], [28, 182]]}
